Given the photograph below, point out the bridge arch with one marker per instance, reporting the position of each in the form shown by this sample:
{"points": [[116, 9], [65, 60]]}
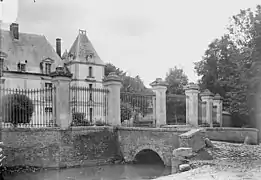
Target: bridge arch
{"points": [[152, 148]]}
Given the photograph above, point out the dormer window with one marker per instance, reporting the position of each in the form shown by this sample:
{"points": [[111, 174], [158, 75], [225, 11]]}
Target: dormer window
{"points": [[89, 56], [21, 67], [47, 68]]}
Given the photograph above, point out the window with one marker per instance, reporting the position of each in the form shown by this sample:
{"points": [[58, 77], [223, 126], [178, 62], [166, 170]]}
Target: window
{"points": [[1, 66], [91, 115], [48, 110], [2, 83], [48, 85], [21, 67], [48, 92], [90, 87], [47, 68], [90, 71]]}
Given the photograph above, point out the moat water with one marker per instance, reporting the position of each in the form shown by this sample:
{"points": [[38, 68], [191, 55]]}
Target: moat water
{"points": [[108, 172], [148, 166]]}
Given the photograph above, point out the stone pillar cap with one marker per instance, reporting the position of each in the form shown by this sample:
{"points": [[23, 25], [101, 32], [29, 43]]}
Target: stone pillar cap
{"points": [[207, 93], [158, 82], [112, 77], [61, 71], [191, 86], [218, 97]]}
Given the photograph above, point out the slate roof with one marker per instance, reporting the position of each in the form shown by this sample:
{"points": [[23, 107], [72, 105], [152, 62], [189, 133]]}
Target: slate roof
{"points": [[82, 47], [31, 47]]}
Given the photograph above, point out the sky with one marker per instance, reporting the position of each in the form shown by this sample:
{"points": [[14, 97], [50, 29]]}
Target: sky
{"points": [[142, 37]]}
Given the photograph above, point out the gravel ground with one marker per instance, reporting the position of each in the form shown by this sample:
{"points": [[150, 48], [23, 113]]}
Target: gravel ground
{"points": [[229, 155], [226, 161]]}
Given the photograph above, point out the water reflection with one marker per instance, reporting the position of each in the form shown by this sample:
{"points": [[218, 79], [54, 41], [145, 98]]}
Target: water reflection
{"points": [[112, 172]]}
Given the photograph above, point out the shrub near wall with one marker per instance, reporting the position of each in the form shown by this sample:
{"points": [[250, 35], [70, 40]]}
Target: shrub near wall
{"points": [[58, 148]]}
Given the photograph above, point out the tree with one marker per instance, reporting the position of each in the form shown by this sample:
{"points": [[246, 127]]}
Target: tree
{"points": [[225, 67], [177, 79], [254, 87], [176, 105]]}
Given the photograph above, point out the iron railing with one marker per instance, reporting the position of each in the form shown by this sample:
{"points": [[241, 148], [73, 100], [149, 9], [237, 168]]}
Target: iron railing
{"points": [[89, 106], [138, 109], [27, 107], [175, 109]]}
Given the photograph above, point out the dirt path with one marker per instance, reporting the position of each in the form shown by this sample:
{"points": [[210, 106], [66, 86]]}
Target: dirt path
{"points": [[208, 173], [226, 161]]}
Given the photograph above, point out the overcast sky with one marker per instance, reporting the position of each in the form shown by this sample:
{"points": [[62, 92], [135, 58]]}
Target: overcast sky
{"points": [[142, 37]]}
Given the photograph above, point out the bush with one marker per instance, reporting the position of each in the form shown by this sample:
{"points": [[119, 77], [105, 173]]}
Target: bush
{"points": [[216, 124], [205, 124], [17, 109], [78, 119], [100, 123]]}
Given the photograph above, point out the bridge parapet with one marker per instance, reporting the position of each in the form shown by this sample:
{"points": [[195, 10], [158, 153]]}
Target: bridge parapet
{"points": [[195, 139], [163, 141]]}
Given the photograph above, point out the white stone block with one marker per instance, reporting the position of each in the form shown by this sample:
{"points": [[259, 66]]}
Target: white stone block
{"points": [[183, 152], [184, 167]]}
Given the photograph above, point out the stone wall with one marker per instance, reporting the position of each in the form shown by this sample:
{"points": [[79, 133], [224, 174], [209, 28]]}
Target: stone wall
{"points": [[53, 147], [232, 134], [195, 139], [161, 140]]}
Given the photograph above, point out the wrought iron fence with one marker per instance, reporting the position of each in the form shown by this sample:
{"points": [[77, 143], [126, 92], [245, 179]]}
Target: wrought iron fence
{"points": [[89, 106], [176, 109], [27, 107], [138, 109]]}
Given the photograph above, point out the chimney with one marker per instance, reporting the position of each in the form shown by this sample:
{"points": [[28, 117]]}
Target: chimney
{"points": [[58, 46], [14, 29]]}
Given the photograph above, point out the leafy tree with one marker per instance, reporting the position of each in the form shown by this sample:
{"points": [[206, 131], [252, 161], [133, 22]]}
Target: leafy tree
{"points": [[177, 79], [176, 104], [225, 67], [254, 87]]}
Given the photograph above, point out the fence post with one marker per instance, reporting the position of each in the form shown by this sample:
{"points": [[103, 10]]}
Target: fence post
{"points": [[159, 87], [207, 97], [218, 101], [191, 92], [113, 83], [61, 79]]}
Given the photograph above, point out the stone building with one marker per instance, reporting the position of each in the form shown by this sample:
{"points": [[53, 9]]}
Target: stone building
{"points": [[88, 71], [26, 61], [84, 63]]}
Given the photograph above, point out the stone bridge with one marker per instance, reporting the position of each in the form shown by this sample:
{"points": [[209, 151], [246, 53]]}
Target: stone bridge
{"points": [[163, 141]]}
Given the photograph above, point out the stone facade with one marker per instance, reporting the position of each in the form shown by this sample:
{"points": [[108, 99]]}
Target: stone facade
{"points": [[55, 148]]}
